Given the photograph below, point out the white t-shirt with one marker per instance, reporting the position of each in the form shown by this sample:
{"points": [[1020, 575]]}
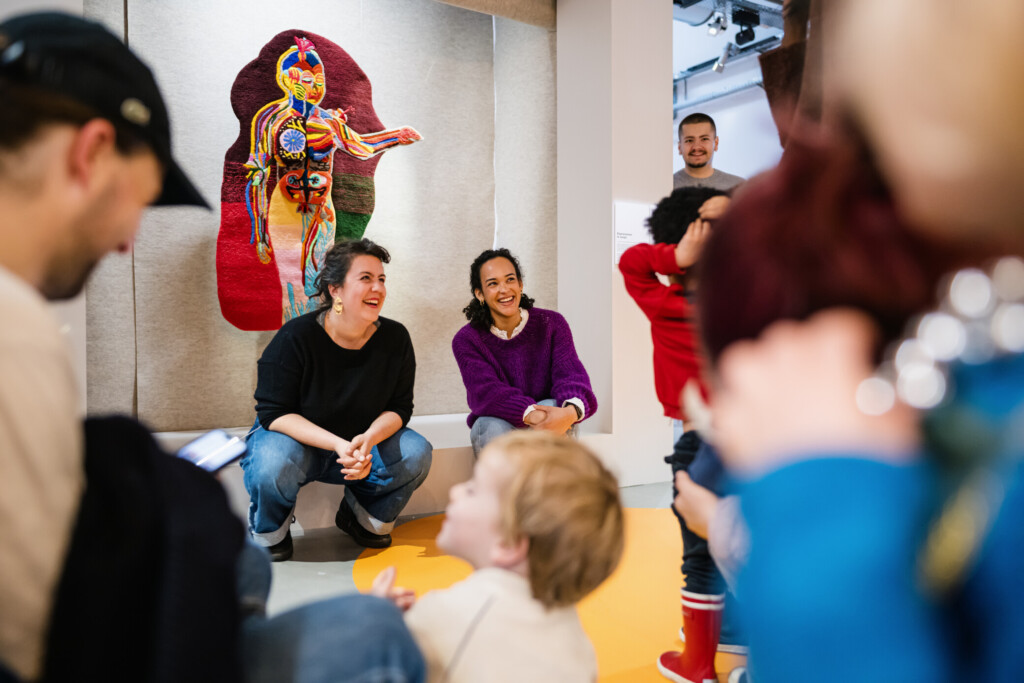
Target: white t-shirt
{"points": [[490, 628], [41, 471]]}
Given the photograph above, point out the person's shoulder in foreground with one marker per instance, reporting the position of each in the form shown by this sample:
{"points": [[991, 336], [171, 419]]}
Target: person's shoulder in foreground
{"points": [[84, 147]]}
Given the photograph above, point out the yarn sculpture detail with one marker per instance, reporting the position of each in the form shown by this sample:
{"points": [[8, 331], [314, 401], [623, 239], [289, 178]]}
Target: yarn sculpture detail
{"points": [[298, 177]]}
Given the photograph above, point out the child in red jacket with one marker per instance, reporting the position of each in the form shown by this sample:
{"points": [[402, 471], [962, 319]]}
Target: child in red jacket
{"points": [[680, 225]]}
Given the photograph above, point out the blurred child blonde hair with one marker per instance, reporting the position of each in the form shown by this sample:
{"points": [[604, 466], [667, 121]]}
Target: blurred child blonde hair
{"points": [[565, 503]]}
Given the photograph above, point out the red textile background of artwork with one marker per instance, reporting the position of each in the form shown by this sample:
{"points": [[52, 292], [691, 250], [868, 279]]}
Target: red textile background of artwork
{"points": [[250, 291]]}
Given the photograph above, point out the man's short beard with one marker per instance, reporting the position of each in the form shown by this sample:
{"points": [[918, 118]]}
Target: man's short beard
{"points": [[700, 165]]}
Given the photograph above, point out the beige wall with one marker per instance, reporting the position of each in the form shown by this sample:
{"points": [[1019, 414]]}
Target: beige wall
{"points": [[614, 143]]}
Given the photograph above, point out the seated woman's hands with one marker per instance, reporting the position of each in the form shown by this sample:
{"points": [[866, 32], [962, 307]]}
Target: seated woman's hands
{"points": [[354, 457], [551, 418]]}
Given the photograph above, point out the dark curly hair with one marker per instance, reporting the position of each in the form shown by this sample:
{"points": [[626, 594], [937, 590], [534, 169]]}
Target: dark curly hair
{"points": [[674, 213], [477, 313], [337, 262]]}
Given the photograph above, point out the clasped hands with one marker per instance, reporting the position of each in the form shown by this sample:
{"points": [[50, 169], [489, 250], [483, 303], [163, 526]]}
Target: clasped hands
{"points": [[355, 456], [551, 418]]}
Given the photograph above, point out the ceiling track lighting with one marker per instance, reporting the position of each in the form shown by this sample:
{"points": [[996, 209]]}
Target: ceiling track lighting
{"points": [[729, 51], [718, 24], [745, 35]]}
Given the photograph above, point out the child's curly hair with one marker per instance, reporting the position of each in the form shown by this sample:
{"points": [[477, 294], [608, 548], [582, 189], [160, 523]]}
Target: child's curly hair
{"points": [[674, 213]]}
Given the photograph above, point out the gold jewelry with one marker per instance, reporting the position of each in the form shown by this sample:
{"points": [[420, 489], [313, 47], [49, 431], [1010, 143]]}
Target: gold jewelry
{"points": [[339, 307]]}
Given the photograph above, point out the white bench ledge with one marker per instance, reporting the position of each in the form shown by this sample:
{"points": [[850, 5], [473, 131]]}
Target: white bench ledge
{"points": [[317, 503], [442, 431]]}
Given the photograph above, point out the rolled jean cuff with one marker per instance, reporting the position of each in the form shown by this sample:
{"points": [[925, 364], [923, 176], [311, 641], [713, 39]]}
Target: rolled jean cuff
{"points": [[365, 519], [273, 537]]}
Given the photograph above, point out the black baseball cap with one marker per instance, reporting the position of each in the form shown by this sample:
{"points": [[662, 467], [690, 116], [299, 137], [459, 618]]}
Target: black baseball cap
{"points": [[83, 61]]}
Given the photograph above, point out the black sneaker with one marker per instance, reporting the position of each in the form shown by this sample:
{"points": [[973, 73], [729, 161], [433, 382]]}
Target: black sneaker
{"points": [[282, 550], [347, 522]]}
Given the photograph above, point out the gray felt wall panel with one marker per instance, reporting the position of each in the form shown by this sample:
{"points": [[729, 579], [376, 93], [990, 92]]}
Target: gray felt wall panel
{"points": [[525, 156], [110, 298]]}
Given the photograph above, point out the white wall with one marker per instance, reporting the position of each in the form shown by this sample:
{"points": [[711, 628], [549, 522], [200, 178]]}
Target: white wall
{"points": [[614, 143]]}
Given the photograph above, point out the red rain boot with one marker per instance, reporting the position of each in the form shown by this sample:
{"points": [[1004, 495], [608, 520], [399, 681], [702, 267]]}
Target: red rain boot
{"points": [[702, 622]]}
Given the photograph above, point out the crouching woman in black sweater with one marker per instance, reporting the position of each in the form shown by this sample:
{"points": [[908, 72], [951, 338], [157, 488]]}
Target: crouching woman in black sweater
{"points": [[333, 396]]}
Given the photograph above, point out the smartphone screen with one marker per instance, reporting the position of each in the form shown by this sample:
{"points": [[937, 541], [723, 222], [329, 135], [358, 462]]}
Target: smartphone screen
{"points": [[213, 450]]}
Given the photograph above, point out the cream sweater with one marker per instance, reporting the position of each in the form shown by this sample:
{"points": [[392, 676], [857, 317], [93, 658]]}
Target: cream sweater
{"points": [[490, 628], [42, 475]]}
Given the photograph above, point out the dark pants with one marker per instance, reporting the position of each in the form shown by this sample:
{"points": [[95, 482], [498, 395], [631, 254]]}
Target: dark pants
{"points": [[701, 462]]}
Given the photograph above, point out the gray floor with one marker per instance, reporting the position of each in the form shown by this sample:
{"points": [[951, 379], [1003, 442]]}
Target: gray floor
{"points": [[322, 564]]}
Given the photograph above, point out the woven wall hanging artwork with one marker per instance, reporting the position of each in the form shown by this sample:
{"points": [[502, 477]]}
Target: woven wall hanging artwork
{"points": [[298, 178]]}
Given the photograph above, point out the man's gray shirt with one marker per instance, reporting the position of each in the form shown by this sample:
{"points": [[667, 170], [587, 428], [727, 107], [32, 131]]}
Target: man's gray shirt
{"points": [[718, 180]]}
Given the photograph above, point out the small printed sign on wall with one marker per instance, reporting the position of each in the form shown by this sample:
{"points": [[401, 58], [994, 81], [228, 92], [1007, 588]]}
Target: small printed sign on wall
{"points": [[629, 225]]}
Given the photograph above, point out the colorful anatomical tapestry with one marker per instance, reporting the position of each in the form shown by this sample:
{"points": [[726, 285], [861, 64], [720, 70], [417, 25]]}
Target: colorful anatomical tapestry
{"points": [[298, 178]]}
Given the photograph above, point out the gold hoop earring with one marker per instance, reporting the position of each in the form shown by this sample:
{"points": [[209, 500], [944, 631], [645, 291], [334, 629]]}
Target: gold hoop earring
{"points": [[339, 307]]}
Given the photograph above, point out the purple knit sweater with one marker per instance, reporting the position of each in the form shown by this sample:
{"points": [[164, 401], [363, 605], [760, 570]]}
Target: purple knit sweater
{"points": [[503, 377]]}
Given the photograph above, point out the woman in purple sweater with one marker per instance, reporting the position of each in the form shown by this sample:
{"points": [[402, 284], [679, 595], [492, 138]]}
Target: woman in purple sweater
{"points": [[518, 362]]}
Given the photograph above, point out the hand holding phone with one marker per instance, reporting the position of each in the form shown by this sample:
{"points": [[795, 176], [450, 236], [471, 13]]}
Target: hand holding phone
{"points": [[213, 450]]}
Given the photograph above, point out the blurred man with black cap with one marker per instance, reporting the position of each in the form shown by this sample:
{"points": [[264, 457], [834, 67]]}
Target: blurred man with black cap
{"points": [[84, 148], [118, 562]]}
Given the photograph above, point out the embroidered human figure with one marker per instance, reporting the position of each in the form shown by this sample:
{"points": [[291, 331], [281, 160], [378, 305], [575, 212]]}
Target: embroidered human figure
{"points": [[289, 173]]}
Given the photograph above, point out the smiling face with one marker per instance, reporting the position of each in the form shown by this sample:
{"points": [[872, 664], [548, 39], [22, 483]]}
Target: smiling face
{"points": [[364, 290], [698, 144], [472, 524], [502, 289]]}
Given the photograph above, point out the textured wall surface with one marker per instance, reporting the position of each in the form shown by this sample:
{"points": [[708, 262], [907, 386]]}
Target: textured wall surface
{"points": [[525, 155], [156, 337], [537, 12], [110, 298]]}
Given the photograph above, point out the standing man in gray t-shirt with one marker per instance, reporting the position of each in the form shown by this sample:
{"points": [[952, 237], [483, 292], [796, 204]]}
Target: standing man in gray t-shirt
{"points": [[698, 142]]}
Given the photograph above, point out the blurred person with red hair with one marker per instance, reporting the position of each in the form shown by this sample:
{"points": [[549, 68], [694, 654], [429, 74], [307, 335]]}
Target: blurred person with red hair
{"points": [[885, 534]]}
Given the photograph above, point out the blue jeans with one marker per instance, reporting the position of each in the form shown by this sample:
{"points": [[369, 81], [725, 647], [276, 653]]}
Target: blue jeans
{"points": [[353, 638], [347, 639], [487, 428], [276, 466]]}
